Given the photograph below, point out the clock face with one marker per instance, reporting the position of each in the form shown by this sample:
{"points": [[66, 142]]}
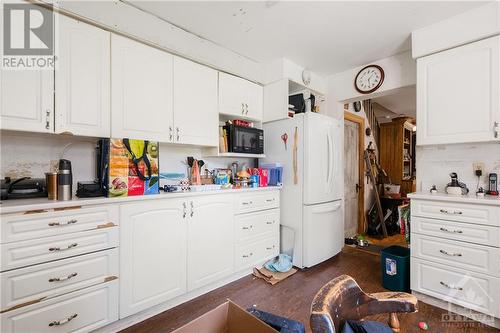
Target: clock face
{"points": [[369, 79]]}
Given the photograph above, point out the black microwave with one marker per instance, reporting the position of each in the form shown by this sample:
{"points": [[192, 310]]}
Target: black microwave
{"points": [[242, 139]]}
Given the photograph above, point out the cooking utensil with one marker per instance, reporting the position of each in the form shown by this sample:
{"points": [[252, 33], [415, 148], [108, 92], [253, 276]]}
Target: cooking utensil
{"points": [[190, 161], [284, 137]]}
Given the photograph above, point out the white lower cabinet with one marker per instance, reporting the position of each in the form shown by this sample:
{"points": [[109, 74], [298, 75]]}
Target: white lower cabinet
{"points": [[210, 239], [152, 253], [455, 253], [79, 311]]}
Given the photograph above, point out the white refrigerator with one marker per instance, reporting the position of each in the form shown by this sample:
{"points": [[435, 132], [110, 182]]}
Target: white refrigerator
{"points": [[311, 198]]}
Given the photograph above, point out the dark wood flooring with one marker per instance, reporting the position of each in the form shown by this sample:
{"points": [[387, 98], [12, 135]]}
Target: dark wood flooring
{"points": [[292, 298]]}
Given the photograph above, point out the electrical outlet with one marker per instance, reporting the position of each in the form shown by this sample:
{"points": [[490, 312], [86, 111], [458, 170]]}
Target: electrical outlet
{"points": [[478, 166]]}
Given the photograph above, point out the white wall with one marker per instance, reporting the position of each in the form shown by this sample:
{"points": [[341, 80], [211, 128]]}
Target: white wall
{"points": [[434, 163], [479, 23], [400, 71]]}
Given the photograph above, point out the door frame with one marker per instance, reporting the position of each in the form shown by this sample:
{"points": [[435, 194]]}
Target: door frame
{"points": [[361, 151]]}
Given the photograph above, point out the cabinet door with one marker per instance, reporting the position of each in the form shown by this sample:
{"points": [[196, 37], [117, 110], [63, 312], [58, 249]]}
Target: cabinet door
{"points": [[255, 105], [210, 239], [141, 91], [82, 79], [458, 94], [152, 254], [196, 119], [27, 100], [232, 95]]}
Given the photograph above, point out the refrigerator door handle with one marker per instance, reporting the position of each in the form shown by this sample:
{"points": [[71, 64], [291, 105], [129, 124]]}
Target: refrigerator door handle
{"points": [[328, 166], [331, 161]]}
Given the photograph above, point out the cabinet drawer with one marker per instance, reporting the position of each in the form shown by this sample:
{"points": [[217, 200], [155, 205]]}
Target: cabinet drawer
{"points": [[249, 255], [81, 311], [475, 291], [472, 233], [26, 285], [36, 251], [471, 257], [249, 226], [17, 227], [257, 201], [459, 212]]}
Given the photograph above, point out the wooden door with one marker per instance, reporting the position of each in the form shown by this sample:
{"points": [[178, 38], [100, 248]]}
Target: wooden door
{"points": [[141, 91], [196, 119], [354, 145], [83, 79], [458, 97], [210, 239], [152, 253]]}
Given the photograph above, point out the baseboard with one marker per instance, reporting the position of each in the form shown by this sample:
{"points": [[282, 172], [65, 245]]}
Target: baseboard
{"points": [[157, 309], [457, 309]]}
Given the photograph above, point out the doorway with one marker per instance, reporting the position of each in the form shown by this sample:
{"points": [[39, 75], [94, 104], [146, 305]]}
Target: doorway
{"points": [[354, 145]]}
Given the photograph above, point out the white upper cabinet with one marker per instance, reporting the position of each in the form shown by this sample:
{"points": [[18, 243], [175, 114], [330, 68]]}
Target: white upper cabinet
{"points": [[152, 253], [239, 97], [210, 239], [82, 79], [141, 91], [195, 104], [458, 94], [27, 100]]}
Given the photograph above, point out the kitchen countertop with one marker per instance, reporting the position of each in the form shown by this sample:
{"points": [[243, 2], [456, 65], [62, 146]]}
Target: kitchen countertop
{"points": [[21, 205], [471, 198]]}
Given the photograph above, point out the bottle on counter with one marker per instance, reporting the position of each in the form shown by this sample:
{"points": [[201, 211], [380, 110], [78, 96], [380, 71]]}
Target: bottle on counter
{"points": [[64, 180]]}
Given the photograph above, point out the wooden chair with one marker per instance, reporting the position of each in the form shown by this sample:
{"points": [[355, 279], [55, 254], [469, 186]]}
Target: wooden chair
{"points": [[342, 299]]}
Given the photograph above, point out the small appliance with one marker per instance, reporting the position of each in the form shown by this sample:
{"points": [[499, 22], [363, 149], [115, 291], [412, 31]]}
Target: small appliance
{"points": [[455, 187], [493, 184], [247, 140], [64, 180], [23, 188]]}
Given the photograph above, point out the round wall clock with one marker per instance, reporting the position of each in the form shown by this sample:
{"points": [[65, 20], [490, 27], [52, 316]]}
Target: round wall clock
{"points": [[369, 79]]}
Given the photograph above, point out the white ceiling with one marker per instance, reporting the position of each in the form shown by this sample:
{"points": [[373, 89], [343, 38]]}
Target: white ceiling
{"points": [[403, 102], [324, 36]]}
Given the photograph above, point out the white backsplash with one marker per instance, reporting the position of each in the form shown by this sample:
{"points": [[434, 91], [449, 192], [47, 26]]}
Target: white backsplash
{"points": [[434, 164], [30, 155]]}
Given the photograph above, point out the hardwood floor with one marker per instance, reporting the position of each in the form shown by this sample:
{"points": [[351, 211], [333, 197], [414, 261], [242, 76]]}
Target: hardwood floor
{"points": [[292, 298]]}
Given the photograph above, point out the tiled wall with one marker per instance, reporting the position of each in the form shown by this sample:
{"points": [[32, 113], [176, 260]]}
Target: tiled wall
{"points": [[434, 163], [30, 154]]}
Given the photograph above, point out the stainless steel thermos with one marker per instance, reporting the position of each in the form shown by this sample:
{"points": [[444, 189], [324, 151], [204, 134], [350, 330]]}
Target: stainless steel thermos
{"points": [[64, 180]]}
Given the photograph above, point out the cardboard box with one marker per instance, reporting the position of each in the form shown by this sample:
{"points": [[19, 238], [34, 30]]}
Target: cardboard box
{"points": [[226, 318]]}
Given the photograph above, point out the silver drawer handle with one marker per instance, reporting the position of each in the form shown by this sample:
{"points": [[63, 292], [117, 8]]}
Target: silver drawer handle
{"points": [[52, 249], [450, 286], [247, 255], [64, 278], [247, 202], [270, 248], [192, 208], [184, 210], [63, 321], [249, 227], [269, 222], [452, 231], [55, 224], [451, 254], [455, 212], [270, 200]]}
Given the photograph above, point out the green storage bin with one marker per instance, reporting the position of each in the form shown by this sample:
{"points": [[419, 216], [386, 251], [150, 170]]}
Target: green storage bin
{"points": [[395, 264]]}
